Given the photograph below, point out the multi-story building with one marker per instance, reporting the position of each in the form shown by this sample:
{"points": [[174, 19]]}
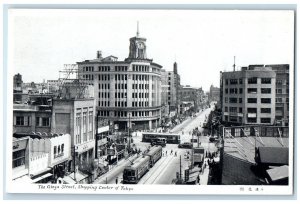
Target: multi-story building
{"points": [[282, 93], [44, 116], [165, 90], [214, 93], [34, 116], [248, 96], [128, 90], [76, 117], [190, 97], [173, 97]]}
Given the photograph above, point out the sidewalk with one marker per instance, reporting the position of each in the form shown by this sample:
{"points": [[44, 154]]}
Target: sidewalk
{"points": [[204, 175]]}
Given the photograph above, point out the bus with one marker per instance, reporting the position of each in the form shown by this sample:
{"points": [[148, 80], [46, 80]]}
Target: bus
{"points": [[170, 138]]}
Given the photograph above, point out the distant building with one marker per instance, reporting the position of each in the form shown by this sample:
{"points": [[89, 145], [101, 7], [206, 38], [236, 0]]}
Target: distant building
{"points": [[248, 96], [18, 82], [53, 86], [214, 93], [282, 93], [190, 97], [165, 108], [173, 97], [126, 90]]}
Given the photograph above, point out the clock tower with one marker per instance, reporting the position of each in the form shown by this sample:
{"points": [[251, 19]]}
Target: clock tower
{"points": [[137, 48]]}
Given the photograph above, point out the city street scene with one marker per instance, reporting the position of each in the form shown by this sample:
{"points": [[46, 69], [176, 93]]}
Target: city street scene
{"points": [[152, 97]]}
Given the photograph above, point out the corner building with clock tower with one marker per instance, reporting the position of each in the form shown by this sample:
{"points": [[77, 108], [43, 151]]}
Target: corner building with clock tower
{"points": [[126, 90]]}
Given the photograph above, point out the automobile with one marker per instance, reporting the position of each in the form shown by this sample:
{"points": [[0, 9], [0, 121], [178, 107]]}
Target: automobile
{"points": [[186, 145], [213, 139]]}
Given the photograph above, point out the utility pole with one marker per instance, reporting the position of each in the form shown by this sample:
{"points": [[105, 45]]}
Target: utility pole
{"points": [[96, 136], [74, 158], [129, 151], [180, 168]]}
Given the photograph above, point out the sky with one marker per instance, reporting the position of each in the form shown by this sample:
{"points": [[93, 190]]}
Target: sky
{"points": [[202, 42]]}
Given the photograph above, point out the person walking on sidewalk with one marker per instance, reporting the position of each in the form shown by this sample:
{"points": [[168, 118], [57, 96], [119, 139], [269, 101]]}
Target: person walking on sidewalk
{"points": [[116, 180]]}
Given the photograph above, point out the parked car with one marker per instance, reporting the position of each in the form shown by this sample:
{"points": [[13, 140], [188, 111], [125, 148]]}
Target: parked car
{"points": [[213, 138], [186, 145]]}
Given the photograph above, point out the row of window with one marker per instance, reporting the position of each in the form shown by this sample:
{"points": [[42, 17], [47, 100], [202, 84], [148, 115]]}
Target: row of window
{"points": [[252, 80], [140, 113], [140, 95], [124, 113], [262, 100], [250, 120], [120, 77], [140, 68], [140, 104], [249, 110], [103, 77], [104, 68], [120, 86], [103, 86], [88, 69], [58, 150], [140, 86], [103, 94], [249, 100], [26, 121], [121, 68], [120, 103], [140, 77], [104, 103], [121, 95], [83, 125], [88, 76]]}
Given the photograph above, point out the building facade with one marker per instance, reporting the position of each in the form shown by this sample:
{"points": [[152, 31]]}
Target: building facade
{"points": [[191, 97], [214, 93], [173, 97], [128, 90], [282, 93], [248, 96], [77, 117]]}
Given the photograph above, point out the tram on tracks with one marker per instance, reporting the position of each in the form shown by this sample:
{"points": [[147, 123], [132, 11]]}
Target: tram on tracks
{"points": [[170, 138], [133, 173]]}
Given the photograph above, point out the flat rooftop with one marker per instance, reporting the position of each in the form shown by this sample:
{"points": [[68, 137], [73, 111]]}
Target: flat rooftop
{"points": [[244, 147]]}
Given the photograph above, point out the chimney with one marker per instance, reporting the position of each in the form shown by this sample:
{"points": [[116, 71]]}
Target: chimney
{"points": [[99, 54]]}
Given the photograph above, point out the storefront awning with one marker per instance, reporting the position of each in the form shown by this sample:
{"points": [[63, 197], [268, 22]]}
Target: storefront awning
{"points": [[41, 177]]}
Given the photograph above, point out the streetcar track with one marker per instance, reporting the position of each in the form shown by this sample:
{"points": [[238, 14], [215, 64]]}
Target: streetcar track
{"points": [[165, 166]]}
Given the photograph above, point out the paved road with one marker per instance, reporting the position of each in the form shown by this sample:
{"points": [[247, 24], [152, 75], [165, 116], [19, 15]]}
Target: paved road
{"points": [[164, 171]]}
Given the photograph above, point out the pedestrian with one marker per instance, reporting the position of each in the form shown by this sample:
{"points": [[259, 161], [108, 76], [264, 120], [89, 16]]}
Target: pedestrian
{"points": [[166, 152], [175, 154], [171, 152], [116, 180]]}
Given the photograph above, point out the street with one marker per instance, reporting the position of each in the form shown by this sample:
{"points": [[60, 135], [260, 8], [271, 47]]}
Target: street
{"points": [[164, 171]]}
